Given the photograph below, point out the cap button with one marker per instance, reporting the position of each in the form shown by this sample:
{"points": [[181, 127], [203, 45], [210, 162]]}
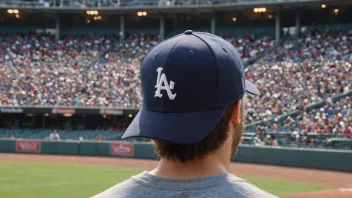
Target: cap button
{"points": [[188, 32]]}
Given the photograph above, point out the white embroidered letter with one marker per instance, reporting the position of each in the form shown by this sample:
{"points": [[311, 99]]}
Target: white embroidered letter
{"points": [[162, 84]]}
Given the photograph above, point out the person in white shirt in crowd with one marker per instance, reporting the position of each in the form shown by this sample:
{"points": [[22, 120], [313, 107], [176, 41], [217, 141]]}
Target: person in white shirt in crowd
{"points": [[54, 135]]}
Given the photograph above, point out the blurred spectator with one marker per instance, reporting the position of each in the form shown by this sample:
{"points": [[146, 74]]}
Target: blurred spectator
{"points": [[54, 135], [99, 138]]}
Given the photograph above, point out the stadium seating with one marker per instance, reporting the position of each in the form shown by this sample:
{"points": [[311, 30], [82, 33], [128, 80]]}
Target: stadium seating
{"points": [[52, 68], [300, 73], [64, 135], [298, 79]]}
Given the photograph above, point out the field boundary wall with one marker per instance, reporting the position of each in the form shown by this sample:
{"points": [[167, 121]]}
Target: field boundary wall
{"points": [[328, 159]]}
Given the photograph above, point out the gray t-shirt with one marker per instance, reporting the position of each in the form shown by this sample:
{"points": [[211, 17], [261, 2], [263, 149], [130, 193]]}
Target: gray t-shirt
{"points": [[146, 185]]}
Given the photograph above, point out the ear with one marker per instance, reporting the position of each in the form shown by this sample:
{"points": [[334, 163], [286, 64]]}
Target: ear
{"points": [[236, 113]]}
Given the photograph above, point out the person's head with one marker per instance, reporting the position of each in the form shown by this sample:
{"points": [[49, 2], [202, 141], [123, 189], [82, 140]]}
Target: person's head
{"points": [[193, 97], [229, 127]]}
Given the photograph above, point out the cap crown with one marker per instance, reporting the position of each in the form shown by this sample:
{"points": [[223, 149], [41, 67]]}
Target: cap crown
{"points": [[192, 72]]}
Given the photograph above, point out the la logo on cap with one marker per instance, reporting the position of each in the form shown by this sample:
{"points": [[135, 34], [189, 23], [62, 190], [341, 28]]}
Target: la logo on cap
{"points": [[162, 84]]}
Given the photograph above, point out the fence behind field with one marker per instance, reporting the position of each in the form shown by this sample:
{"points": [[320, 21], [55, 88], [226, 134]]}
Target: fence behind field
{"points": [[340, 160]]}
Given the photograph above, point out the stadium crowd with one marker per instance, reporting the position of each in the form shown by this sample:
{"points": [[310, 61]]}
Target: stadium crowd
{"points": [[74, 71], [249, 46], [310, 128], [295, 75], [104, 71], [334, 117], [84, 70]]}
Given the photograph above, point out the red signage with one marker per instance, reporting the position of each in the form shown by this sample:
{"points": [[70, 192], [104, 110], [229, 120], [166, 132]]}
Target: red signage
{"points": [[28, 146], [123, 149], [63, 111]]}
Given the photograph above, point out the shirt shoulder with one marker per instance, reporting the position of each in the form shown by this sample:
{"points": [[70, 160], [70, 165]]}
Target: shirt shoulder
{"points": [[145, 185], [119, 190], [242, 188]]}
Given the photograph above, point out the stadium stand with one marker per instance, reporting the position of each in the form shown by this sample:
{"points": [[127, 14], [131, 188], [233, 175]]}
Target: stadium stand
{"points": [[39, 71], [305, 77], [64, 135], [48, 71], [297, 74], [84, 70]]}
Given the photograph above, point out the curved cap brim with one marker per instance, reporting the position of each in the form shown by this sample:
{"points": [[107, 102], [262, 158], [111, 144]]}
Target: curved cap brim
{"points": [[251, 88], [181, 128]]}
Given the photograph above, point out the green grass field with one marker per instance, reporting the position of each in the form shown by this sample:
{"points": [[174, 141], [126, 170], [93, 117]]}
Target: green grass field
{"points": [[36, 180]]}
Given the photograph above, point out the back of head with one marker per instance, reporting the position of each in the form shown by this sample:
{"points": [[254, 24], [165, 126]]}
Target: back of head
{"points": [[209, 144]]}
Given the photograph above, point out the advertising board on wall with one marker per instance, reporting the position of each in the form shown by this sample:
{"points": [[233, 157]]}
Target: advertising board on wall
{"points": [[121, 149], [31, 146], [111, 112], [63, 111], [10, 110], [68, 110]]}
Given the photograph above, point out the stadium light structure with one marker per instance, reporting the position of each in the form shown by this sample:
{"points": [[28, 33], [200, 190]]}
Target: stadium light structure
{"points": [[14, 12], [140, 14], [92, 12], [259, 10], [97, 18], [323, 6], [336, 11]]}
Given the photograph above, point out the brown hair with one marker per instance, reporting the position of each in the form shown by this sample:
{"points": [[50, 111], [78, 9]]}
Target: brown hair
{"points": [[208, 145]]}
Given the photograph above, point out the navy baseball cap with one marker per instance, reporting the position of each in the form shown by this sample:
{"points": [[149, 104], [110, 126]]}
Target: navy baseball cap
{"points": [[188, 81]]}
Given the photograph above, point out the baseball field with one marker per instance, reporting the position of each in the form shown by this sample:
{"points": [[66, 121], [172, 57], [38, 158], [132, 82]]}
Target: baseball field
{"points": [[72, 176]]}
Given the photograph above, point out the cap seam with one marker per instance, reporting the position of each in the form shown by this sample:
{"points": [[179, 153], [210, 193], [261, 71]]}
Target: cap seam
{"points": [[216, 67], [157, 45]]}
